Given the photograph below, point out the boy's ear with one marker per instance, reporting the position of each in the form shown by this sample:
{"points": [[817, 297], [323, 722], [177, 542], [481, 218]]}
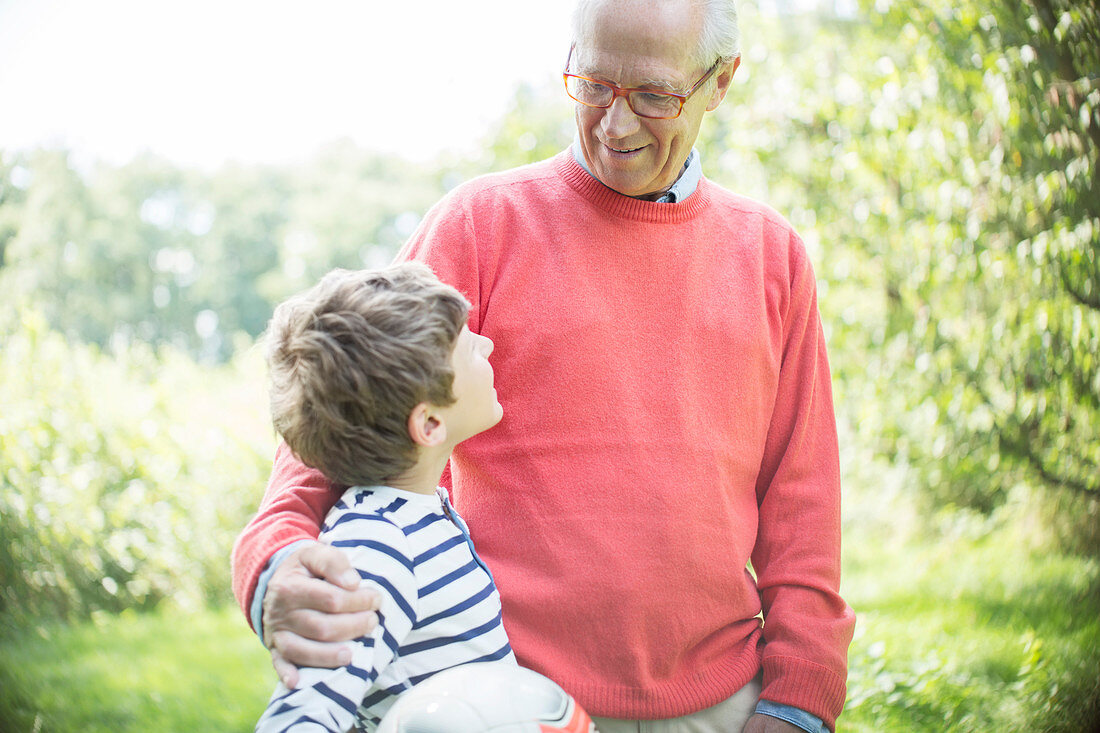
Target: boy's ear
{"points": [[426, 428]]}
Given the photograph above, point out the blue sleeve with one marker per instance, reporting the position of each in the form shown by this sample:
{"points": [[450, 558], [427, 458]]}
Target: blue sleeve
{"points": [[795, 716]]}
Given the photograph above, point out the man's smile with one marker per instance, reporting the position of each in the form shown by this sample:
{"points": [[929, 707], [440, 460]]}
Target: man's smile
{"points": [[623, 150]]}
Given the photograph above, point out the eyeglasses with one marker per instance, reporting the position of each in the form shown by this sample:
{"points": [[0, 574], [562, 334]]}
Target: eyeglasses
{"points": [[643, 102]]}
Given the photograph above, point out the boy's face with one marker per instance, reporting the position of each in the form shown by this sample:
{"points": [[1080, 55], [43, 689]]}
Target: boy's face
{"points": [[476, 407]]}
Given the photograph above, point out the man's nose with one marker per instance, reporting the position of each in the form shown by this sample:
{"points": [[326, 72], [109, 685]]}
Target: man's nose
{"points": [[619, 120]]}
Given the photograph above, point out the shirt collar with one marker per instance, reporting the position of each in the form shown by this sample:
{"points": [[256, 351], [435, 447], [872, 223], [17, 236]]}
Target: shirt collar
{"points": [[684, 186]]}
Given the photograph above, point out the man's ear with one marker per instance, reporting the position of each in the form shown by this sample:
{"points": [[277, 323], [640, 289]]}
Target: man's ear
{"points": [[426, 428], [725, 78]]}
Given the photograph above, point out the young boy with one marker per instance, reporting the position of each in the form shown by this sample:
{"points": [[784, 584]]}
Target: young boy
{"points": [[374, 379]]}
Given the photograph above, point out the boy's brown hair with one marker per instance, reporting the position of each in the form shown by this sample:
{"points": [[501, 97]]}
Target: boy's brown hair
{"points": [[350, 358]]}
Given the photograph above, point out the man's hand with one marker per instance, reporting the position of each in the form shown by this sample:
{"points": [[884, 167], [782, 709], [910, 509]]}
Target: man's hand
{"points": [[313, 604], [768, 724]]}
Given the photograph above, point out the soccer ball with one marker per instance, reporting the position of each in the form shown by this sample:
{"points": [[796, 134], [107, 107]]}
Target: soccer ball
{"points": [[486, 697]]}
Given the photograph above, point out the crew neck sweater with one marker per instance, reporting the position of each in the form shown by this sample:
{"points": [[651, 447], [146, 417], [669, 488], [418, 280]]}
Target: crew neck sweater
{"points": [[668, 418]]}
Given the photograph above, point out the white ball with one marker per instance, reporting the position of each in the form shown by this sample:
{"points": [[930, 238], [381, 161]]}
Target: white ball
{"points": [[486, 697]]}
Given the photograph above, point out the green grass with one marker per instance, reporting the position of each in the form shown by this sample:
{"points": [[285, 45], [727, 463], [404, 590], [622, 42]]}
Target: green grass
{"points": [[165, 671], [978, 629], [967, 626]]}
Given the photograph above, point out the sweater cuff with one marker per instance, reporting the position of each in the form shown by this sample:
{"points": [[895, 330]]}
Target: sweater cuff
{"points": [[805, 685]]}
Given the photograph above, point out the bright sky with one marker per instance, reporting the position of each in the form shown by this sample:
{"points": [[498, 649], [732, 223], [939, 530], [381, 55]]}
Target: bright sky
{"points": [[204, 81]]}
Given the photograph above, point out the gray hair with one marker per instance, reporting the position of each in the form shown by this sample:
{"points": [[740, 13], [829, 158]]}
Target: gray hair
{"points": [[720, 37]]}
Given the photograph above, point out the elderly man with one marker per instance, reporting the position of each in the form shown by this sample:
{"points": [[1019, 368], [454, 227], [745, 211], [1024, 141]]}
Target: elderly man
{"points": [[668, 416]]}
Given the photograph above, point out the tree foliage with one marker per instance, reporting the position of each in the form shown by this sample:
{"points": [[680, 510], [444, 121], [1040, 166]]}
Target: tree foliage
{"points": [[150, 252], [1007, 310], [124, 479], [938, 157], [941, 159]]}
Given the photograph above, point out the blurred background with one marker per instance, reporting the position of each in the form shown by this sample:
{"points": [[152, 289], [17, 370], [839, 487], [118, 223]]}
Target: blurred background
{"points": [[170, 171]]}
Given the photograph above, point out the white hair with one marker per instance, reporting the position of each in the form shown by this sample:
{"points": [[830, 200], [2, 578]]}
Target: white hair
{"points": [[720, 37]]}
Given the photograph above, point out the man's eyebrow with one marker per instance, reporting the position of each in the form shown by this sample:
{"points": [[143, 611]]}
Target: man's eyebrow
{"points": [[663, 85]]}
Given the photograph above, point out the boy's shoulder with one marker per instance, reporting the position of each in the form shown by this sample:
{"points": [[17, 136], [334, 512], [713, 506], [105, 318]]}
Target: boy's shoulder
{"points": [[388, 510]]}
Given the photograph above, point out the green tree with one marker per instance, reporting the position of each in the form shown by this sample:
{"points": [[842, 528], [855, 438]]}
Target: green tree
{"points": [[941, 159], [538, 124], [1002, 310], [124, 478], [151, 252]]}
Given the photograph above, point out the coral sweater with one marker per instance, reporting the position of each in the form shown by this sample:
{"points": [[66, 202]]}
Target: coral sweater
{"points": [[667, 418]]}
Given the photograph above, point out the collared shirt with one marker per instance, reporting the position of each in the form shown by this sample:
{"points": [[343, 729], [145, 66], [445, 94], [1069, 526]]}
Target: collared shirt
{"points": [[684, 186]]}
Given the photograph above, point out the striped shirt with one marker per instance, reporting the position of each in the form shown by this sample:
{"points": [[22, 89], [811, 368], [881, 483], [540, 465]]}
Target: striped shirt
{"points": [[440, 608]]}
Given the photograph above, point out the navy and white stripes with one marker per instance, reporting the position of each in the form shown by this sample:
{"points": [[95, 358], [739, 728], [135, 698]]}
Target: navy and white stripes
{"points": [[439, 609]]}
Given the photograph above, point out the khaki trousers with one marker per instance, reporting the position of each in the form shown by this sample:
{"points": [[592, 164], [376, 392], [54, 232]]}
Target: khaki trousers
{"points": [[728, 716]]}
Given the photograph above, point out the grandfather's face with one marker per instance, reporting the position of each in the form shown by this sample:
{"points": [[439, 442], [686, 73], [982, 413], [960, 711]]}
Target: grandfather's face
{"points": [[643, 44]]}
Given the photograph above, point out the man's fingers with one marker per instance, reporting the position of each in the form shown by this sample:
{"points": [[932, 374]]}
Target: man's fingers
{"points": [[290, 649], [325, 561], [307, 619], [287, 672], [296, 591], [344, 626], [325, 627]]}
